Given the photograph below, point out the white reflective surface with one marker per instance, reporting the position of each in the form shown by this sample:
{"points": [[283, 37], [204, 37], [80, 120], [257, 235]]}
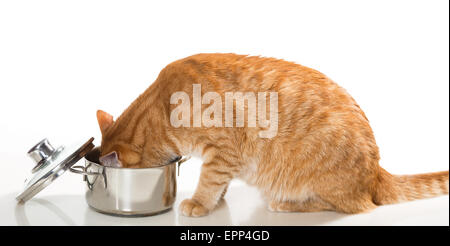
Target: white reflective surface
{"points": [[242, 206], [63, 203]]}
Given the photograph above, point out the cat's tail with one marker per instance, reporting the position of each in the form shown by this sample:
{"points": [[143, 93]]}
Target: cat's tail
{"points": [[399, 188]]}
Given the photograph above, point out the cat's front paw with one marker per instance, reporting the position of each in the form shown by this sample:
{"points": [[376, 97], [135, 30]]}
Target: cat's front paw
{"points": [[192, 208]]}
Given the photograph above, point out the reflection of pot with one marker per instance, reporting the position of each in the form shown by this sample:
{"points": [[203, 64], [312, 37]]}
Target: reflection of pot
{"points": [[111, 190]]}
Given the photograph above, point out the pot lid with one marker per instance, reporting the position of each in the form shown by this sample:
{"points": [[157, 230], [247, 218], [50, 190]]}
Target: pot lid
{"points": [[50, 164]]}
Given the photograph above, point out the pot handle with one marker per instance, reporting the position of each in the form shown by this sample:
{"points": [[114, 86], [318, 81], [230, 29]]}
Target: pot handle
{"points": [[76, 169]]}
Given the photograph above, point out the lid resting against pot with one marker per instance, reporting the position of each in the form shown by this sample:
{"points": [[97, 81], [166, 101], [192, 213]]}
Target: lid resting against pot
{"points": [[50, 164]]}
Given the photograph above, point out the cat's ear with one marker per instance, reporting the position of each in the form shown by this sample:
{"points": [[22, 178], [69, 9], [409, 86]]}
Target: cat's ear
{"points": [[111, 160], [105, 120]]}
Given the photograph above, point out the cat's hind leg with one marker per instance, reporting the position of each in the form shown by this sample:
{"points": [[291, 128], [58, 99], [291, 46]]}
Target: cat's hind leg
{"points": [[309, 205], [352, 205]]}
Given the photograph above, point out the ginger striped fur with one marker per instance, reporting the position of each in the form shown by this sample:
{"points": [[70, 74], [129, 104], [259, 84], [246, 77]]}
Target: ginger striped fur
{"points": [[324, 156]]}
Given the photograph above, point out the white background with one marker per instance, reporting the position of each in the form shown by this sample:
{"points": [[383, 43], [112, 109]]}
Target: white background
{"points": [[60, 61]]}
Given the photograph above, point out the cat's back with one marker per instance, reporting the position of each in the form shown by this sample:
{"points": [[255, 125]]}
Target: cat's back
{"points": [[299, 88], [242, 72], [311, 107]]}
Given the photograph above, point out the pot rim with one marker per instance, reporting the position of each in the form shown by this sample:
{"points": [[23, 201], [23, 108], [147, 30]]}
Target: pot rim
{"points": [[129, 168]]}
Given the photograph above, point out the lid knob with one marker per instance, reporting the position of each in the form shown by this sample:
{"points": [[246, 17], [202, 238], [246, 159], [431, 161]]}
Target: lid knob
{"points": [[40, 153]]}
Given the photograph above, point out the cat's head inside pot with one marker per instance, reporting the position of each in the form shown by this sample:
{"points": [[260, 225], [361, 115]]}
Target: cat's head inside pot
{"points": [[115, 151], [124, 145]]}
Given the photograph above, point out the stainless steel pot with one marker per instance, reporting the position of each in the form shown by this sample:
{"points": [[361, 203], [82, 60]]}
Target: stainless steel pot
{"points": [[128, 191], [110, 190]]}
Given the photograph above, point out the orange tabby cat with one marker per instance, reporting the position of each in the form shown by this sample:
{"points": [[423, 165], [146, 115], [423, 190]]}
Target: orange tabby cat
{"points": [[323, 156]]}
